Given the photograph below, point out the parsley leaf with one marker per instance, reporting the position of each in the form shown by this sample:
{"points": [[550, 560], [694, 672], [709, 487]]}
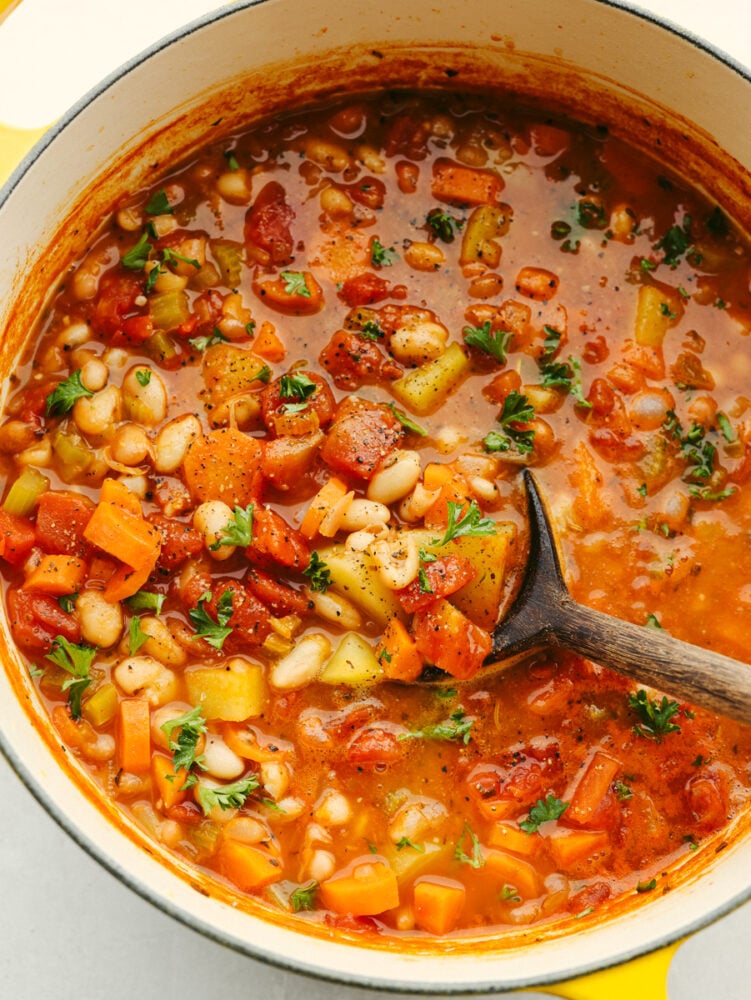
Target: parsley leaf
{"points": [[552, 340], [318, 573], [144, 600], [295, 284], [192, 726], [509, 894], [214, 632], [406, 422], [370, 330], [304, 897], [470, 524], [381, 256], [495, 343], [68, 602], [655, 716], [676, 242], [476, 859], [296, 387], [237, 531], [231, 159], [171, 256], [543, 811], [62, 398], [135, 259], [457, 727], [516, 410], [136, 635], [143, 376], [75, 660], [726, 428], [201, 343], [566, 375], [622, 791], [406, 842], [231, 796], [646, 886], [158, 204], [443, 225]]}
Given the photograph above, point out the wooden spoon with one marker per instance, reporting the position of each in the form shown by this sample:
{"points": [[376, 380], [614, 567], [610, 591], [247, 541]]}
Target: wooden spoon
{"points": [[545, 615]]}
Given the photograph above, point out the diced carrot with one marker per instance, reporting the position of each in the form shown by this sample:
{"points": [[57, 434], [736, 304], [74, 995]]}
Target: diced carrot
{"points": [[287, 460], [123, 535], [436, 475], [438, 903], [117, 493], [398, 654], [514, 871], [465, 185], [570, 846], [449, 640], [332, 491], [365, 887], [250, 743], [224, 464], [124, 582], [268, 345], [248, 867], [591, 788], [508, 837], [75, 733], [134, 735], [590, 508], [297, 295], [169, 784], [56, 575], [454, 490]]}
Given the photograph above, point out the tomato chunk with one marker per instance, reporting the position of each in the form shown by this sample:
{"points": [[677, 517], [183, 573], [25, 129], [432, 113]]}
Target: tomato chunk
{"points": [[267, 225], [37, 619], [362, 436], [441, 578], [449, 640], [17, 538], [62, 517]]}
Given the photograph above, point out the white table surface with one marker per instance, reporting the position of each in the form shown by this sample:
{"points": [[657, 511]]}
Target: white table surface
{"points": [[68, 929]]}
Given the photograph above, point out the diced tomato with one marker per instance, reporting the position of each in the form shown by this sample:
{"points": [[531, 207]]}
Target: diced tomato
{"points": [[277, 596], [296, 295], [502, 788], [36, 619], [593, 895], [352, 360], [321, 401], [115, 300], [364, 289], [17, 538], [443, 577], [707, 798], [267, 225], [450, 641], [136, 329], [34, 402], [249, 620], [374, 746], [62, 517], [362, 436], [179, 541], [275, 541]]}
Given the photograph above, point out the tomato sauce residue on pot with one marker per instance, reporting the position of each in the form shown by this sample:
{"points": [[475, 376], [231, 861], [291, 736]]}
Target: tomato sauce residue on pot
{"points": [[262, 474]]}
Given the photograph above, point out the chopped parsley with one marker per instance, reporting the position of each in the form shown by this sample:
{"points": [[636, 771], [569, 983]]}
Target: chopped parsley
{"points": [[158, 204], [300, 387], [495, 343], [304, 897], [726, 428], [476, 859], [622, 791], [370, 330], [295, 284], [230, 796], [544, 810], [444, 226], [653, 622], [62, 398], [136, 635], [237, 531], [676, 242], [406, 842], [143, 376], [144, 600], [76, 661], [552, 340], [471, 523], [646, 886], [137, 257], [566, 375], [172, 256], [68, 602], [231, 159], [381, 256], [516, 410], [191, 726], [509, 894], [457, 727], [406, 422], [202, 343], [655, 716], [214, 632], [318, 573]]}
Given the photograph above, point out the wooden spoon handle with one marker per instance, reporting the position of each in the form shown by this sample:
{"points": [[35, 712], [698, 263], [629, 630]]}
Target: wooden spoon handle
{"points": [[654, 657]]}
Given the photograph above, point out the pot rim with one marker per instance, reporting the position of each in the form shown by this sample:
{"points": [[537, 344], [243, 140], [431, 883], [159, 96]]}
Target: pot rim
{"points": [[99, 852]]}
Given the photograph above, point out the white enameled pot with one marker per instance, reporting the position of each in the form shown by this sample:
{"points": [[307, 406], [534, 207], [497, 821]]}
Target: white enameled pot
{"points": [[599, 60]]}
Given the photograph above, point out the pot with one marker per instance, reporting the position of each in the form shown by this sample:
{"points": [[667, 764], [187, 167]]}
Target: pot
{"points": [[654, 86]]}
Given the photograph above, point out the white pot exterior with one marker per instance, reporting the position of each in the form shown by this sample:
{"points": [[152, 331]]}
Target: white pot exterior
{"points": [[627, 53]]}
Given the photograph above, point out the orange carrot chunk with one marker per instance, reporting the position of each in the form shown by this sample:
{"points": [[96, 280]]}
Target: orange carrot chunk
{"points": [[124, 535], [248, 867], [133, 735], [464, 185], [56, 575], [438, 903], [398, 654], [591, 788], [224, 464], [363, 888], [169, 784]]}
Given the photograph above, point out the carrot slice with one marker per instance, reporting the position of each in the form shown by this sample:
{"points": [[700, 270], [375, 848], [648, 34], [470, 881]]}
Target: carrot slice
{"points": [[465, 185], [363, 888], [514, 871], [56, 575], [398, 654], [123, 535], [449, 640], [224, 464], [330, 493], [117, 493], [570, 846], [168, 782], [133, 735], [438, 903], [124, 582], [591, 788], [268, 345], [248, 867], [509, 837]]}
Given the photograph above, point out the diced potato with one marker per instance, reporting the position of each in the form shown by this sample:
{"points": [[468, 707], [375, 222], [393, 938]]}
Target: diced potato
{"points": [[232, 691], [427, 387], [353, 663], [408, 863], [229, 373], [657, 309], [354, 576]]}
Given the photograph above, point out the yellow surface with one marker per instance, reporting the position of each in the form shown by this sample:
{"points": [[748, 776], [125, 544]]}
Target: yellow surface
{"points": [[15, 143], [645, 978], [6, 6]]}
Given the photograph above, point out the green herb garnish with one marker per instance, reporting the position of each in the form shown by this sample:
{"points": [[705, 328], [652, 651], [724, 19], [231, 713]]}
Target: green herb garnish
{"points": [[495, 343], [457, 727], [231, 796], [237, 531], [549, 808], [303, 898], [655, 716], [63, 397], [76, 661], [318, 573], [214, 632], [476, 859], [381, 256], [471, 523], [295, 284], [192, 726]]}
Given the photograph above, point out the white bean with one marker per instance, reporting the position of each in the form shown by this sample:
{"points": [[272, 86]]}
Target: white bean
{"points": [[138, 485], [362, 514], [359, 541], [397, 561], [211, 518], [94, 375], [39, 453], [289, 808], [234, 186], [162, 715], [101, 622], [172, 442], [98, 414], [143, 675], [74, 335], [303, 664], [130, 445], [397, 479], [332, 809], [418, 341], [336, 609], [416, 819], [145, 400], [275, 778], [336, 203], [484, 489], [220, 761], [414, 507], [321, 866], [161, 644]]}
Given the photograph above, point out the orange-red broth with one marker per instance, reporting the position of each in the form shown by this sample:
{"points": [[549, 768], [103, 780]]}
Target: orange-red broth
{"points": [[340, 790]]}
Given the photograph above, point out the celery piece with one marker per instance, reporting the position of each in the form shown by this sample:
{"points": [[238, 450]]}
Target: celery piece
{"points": [[205, 838], [169, 310], [229, 257], [101, 707], [160, 347], [25, 491], [73, 453]]}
